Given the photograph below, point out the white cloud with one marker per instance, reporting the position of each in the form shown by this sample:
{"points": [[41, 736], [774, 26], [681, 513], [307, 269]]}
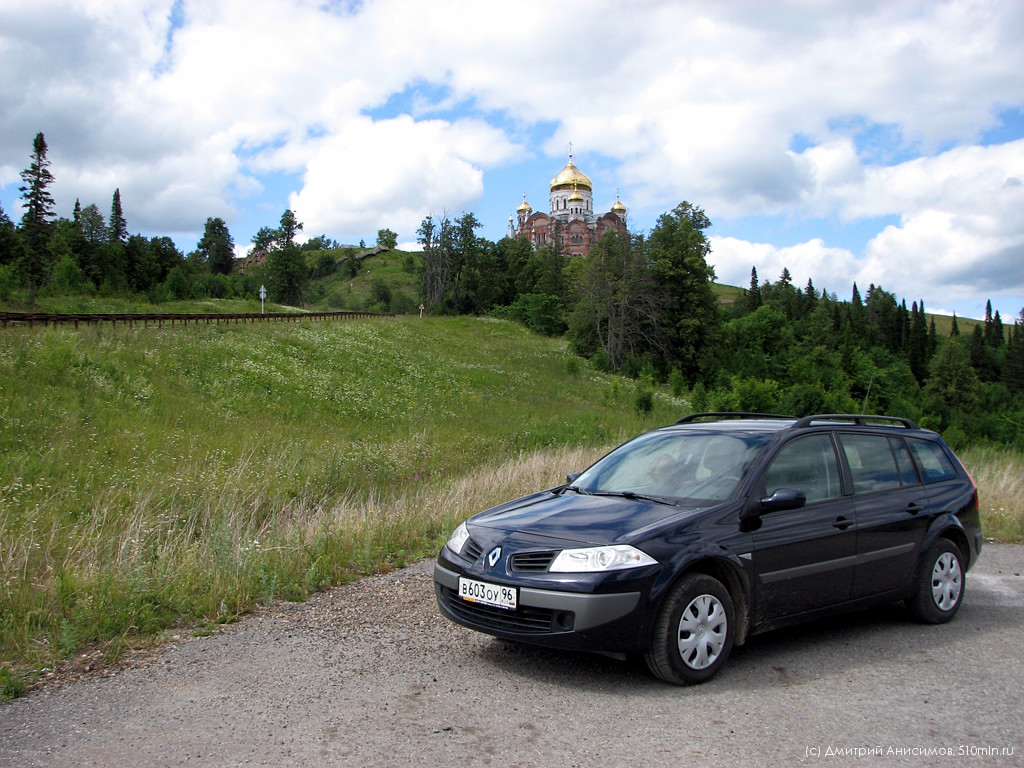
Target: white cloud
{"points": [[805, 111], [831, 269], [392, 173]]}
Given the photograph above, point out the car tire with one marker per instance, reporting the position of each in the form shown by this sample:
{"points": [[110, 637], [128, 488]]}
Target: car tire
{"points": [[693, 632], [939, 588]]}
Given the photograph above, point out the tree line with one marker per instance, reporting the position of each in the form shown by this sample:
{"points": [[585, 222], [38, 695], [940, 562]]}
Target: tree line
{"points": [[88, 254], [641, 304], [646, 306]]}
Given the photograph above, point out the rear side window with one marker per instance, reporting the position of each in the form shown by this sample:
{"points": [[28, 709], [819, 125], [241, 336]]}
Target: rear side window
{"points": [[935, 464], [808, 464], [877, 462], [908, 475]]}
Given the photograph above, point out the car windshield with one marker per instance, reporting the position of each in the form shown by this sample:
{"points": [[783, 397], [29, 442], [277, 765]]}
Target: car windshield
{"points": [[691, 465]]}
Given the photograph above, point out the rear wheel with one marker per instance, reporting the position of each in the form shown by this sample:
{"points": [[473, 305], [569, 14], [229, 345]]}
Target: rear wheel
{"points": [[940, 583], [693, 633]]}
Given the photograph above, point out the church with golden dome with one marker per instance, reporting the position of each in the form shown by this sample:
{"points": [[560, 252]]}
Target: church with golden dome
{"points": [[571, 216]]}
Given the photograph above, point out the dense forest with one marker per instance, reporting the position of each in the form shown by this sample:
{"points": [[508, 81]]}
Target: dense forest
{"points": [[644, 305]]}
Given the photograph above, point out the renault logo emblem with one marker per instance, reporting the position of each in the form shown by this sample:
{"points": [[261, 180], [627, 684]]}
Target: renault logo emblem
{"points": [[494, 557]]}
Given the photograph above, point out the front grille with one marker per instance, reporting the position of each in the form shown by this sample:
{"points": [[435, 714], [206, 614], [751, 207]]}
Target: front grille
{"points": [[525, 619], [531, 562]]}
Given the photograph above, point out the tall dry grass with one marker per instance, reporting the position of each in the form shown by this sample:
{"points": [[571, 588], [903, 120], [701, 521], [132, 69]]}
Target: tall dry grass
{"points": [[1000, 477]]}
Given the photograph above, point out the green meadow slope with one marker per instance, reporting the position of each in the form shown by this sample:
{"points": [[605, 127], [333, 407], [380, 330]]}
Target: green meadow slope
{"points": [[151, 478]]}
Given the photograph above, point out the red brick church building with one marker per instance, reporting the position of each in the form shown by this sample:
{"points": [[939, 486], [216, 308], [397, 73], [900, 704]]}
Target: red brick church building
{"points": [[571, 215]]}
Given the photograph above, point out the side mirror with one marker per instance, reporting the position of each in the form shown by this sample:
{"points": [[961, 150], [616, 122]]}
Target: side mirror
{"points": [[571, 477], [784, 498]]}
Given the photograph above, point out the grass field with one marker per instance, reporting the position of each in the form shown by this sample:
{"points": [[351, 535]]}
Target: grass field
{"points": [[162, 477], [158, 479]]}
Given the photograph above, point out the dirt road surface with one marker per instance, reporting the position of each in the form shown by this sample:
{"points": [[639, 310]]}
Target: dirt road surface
{"points": [[370, 674]]}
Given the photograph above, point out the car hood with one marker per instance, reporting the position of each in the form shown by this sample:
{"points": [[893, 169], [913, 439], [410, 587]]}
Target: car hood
{"points": [[579, 518]]}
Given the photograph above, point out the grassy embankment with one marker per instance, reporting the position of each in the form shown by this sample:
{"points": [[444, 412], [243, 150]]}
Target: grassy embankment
{"points": [[164, 478]]}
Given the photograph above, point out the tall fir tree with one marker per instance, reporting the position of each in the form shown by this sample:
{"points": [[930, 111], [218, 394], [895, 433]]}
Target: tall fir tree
{"points": [[993, 328], [117, 224], [1013, 367], [38, 217], [9, 250], [917, 345], [754, 292]]}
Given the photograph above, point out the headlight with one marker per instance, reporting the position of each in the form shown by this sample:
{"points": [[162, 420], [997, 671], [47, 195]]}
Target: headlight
{"points": [[596, 559], [458, 538]]}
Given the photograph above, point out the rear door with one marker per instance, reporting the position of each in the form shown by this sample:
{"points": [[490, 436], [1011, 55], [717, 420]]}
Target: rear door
{"points": [[891, 507], [804, 558]]}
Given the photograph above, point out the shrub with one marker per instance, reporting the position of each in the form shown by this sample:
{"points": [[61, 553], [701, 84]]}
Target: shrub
{"points": [[677, 382], [644, 401]]}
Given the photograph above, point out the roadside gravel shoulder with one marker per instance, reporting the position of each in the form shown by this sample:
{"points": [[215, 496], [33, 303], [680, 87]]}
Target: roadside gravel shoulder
{"points": [[369, 673]]}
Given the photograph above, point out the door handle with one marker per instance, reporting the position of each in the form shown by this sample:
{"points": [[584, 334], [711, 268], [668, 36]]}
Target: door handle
{"points": [[913, 508], [842, 523]]}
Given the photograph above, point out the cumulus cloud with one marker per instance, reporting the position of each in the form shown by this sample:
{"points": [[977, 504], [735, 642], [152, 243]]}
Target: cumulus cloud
{"points": [[830, 269], [399, 170], [380, 112]]}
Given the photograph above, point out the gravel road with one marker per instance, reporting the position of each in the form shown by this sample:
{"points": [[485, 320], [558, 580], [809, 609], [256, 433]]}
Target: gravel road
{"points": [[370, 674]]}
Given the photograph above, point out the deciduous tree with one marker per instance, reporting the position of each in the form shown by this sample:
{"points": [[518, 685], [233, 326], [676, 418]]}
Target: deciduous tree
{"points": [[677, 250], [387, 239], [216, 246], [615, 309]]}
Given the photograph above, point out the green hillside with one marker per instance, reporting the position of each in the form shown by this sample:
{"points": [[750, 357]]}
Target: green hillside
{"points": [[150, 478]]}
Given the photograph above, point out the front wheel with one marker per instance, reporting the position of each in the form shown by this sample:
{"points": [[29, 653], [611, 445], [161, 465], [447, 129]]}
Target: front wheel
{"points": [[693, 633], [940, 583]]}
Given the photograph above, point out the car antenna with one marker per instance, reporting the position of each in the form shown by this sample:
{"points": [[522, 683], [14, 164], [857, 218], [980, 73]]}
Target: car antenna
{"points": [[864, 406]]}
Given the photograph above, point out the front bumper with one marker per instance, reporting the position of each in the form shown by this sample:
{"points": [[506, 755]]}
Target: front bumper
{"points": [[546, 617]]}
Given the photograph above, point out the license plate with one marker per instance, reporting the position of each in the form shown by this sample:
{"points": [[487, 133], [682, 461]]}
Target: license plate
{"points": [[487, 594]]}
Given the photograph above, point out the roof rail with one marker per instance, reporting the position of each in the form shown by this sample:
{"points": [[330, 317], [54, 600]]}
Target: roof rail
{"points": [[860, 419], [730, 415]]}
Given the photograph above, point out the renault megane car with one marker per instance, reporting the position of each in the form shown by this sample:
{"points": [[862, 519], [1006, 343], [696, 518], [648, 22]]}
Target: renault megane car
{"points": [[687, 540]]}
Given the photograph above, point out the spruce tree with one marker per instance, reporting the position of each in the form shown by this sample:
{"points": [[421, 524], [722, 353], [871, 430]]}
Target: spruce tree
{"points": [[1013, 367], [917, 346], [9, 250], [38, 205], [754, 293], [117, 224], [993, 327]]}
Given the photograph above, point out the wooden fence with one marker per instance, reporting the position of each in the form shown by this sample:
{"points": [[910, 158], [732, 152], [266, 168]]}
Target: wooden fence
{"points": [[31, 319]]}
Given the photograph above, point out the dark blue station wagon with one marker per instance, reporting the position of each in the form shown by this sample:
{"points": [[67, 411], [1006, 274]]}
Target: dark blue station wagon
{"points": [[688, 539]]}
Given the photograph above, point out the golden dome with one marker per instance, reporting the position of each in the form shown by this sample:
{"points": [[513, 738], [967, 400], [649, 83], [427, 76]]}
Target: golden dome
{"points": [[576, 197], [571, 176], [524, 206], [618, 207]]}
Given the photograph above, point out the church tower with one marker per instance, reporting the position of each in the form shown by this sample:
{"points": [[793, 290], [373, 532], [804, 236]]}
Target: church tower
{"points": [[570, 220]]}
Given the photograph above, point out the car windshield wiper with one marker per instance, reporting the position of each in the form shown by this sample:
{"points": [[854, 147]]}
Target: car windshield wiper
{"points": [[577, 489], [633, 496]]}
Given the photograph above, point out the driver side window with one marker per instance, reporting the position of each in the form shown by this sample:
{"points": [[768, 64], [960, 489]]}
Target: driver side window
{"points": [[808, 464]]}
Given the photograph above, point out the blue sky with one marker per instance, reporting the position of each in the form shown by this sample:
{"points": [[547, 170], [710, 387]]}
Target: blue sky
{"points": [[869, 141]]}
